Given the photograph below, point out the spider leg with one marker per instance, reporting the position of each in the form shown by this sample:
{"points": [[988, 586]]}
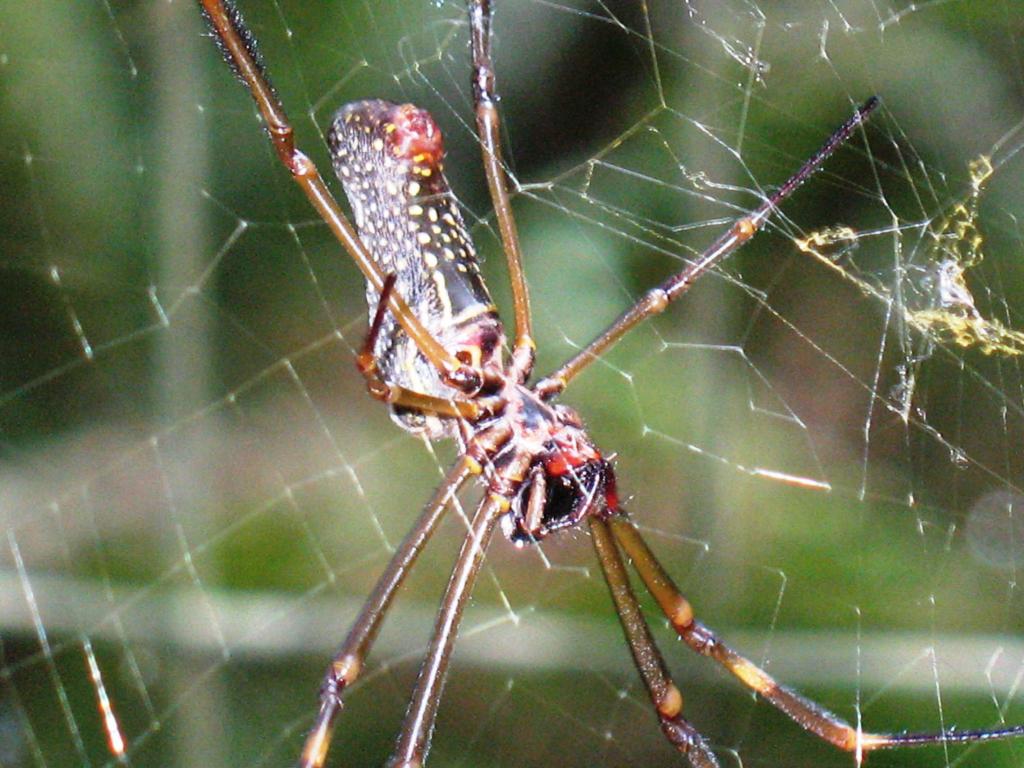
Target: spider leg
{"points": [[808, 714], [238, 46], [656, 300], [534, 516], [414, 739], [488, 126], [348, 661], [668, 701]]}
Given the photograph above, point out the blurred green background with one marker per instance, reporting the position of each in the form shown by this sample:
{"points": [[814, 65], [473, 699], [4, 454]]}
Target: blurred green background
{"points": [[197, 493]]}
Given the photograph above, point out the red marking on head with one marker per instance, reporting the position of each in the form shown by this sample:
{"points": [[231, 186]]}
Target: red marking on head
{"points": [[568, 455], [416, 134], [559, 464]]}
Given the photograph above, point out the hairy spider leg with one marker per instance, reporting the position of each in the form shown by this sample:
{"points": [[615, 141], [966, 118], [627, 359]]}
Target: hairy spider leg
{"points": [[808, 714], [488, 126], [350, 658], [666, 697], [657, 299], [418, 726]]}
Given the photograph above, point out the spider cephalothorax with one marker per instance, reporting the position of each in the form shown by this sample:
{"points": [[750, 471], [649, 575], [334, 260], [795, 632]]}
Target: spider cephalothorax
{"points": [[539, 456], [568, 494]]}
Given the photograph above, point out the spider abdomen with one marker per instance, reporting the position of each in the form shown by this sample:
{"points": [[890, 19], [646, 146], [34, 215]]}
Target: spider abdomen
{"points": [[389, 160]]}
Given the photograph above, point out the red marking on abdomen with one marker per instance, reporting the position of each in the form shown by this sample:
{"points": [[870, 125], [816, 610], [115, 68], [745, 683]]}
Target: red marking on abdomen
{"points": [[415, 134]]}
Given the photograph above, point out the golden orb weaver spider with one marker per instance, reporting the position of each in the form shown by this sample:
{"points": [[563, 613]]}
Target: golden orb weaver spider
{"points": [[434, 353]]}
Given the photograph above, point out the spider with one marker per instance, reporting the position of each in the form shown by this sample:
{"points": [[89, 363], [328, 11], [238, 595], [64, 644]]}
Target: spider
{"points": [[435, 353]]}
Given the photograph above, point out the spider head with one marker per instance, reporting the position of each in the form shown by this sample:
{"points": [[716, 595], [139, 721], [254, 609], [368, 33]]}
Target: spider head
{"points": [[569, 481]]}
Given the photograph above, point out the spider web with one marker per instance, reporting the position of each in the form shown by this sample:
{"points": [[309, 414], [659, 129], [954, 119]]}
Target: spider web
{"points": [[822, 441]]}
